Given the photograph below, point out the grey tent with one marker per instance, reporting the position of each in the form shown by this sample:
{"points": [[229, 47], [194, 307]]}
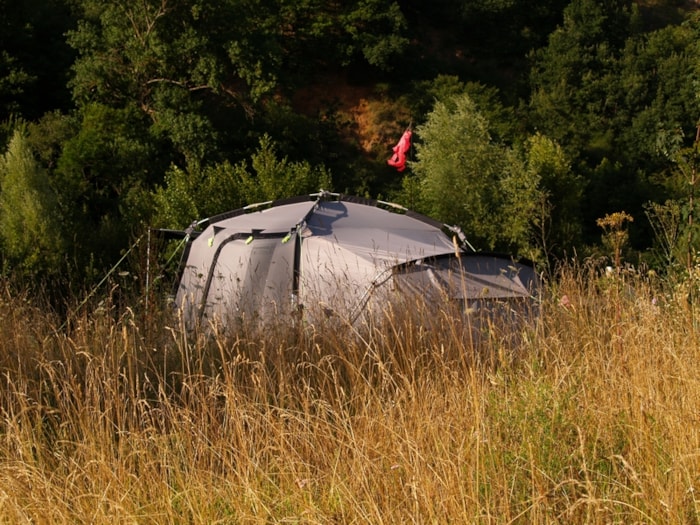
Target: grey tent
{"points": [[328, 255]]}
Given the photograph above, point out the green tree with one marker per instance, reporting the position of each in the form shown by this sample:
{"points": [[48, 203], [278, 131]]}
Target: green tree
{"points": [[574, 76], [195, 193], [468, 179], [558, 220], [503, 126], [659, 85], [604, 89], [200, 192], [374, 30], [31, 238], [238, 50], [274, 177], [108, 154]]}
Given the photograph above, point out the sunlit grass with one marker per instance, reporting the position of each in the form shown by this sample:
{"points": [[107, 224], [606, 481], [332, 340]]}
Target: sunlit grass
{"points": [[588, 415]]}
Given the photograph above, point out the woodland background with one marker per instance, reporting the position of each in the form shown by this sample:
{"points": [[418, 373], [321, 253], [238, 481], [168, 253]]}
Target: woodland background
{"points": [[533, 120]]}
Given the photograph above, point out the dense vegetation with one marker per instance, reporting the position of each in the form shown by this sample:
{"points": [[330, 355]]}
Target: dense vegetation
{"points": [[532, 120]]}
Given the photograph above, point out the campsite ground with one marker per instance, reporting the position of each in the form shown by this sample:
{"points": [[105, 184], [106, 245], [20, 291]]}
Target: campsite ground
{"points": [[588, 416]]}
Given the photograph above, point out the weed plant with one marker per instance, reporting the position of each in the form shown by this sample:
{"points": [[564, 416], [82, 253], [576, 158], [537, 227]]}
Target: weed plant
{"points": [[587, 414]]}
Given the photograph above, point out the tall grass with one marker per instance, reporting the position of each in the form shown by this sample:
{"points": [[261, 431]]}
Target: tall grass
{"points": [[587, 415]]}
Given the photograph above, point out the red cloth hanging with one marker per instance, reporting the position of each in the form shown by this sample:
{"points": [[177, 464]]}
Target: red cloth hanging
{"points": [[398, 159]]}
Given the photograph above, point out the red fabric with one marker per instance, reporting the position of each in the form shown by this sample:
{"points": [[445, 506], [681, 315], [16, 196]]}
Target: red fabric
{"points": [[398, 159]]}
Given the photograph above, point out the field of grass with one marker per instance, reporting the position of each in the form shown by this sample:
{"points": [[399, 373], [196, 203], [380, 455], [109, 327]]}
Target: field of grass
{"points": [[591, 414]]}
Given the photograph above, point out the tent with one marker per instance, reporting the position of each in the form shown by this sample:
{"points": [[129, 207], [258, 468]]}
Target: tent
{"points": [[328, 255]]}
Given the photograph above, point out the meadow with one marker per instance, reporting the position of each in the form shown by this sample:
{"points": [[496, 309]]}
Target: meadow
{"points": [[588, 414]]}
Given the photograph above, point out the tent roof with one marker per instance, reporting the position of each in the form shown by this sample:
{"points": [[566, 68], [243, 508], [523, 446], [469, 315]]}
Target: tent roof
{"points": [[371, 229], [280, 218]]}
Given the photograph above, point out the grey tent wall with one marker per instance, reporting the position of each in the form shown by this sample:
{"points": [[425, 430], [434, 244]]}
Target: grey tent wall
{"points": [[215, 259]]}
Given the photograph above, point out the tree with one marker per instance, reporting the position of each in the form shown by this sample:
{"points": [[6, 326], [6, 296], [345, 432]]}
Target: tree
{"points": [[29, 232], [466, 178], [558, 222], [200, 192], [659, 85], [573, 78], [237, 50], [107, 155], [375, 32], [275, 177], [604, 90]]}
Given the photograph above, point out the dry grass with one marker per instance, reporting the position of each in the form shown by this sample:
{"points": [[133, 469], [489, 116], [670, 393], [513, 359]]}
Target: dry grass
{"points": [[590, 415]]}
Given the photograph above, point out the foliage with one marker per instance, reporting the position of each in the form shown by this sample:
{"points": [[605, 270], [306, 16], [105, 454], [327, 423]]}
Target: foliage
{"points": [[468, 179], [604, 91], [106, 160], [559, 222], [241, 51], [275, 177], [575, 98], [30, 239], [375, 29], [201, 192], [572, 76]]}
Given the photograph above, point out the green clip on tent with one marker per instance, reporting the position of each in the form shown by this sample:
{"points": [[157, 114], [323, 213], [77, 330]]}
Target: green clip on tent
{"points": [[328, 255]]}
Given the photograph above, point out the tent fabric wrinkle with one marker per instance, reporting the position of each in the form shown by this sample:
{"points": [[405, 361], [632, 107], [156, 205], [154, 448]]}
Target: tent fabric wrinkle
{"points": [[328, 254]]}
